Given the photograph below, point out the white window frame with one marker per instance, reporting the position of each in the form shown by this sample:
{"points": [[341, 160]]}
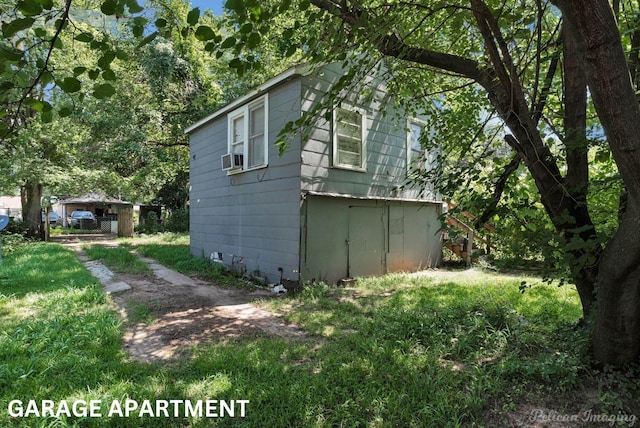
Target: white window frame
{"points": [[411, 151], [363, 139], [242, 147]]}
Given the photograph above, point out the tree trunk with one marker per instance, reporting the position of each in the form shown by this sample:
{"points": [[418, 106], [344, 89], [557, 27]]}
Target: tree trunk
{"points": [[616, 335], [564, 198], [584, 259], [31, 194]]}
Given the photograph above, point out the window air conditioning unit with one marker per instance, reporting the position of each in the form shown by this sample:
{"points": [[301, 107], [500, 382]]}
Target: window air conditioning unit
{"points": [[231, 161]]}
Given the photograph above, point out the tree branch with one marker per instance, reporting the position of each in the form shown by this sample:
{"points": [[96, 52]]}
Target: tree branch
{"points": [[391, 45], [38, 78], [498, 189]]}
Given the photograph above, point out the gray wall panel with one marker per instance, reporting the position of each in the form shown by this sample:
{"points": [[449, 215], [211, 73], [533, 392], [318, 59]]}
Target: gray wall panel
{"points": [[385, 236], [253, 215]]}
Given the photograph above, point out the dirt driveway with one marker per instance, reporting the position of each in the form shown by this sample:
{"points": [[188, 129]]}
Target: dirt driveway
{"points": [[166, 313]]}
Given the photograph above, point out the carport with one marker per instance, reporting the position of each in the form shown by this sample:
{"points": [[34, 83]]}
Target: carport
{"points": [[112, 215]]}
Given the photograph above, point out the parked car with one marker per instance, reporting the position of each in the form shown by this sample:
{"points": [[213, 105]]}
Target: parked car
{"points": [[54, 219], [83, 220]]}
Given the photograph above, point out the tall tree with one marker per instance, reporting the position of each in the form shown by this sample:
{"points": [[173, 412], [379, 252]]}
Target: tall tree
{"points": [[124, 80], [617, 324], [42, 49]]}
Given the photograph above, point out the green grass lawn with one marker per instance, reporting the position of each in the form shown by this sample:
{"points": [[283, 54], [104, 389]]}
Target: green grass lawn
{"points": [[119, 259], [457, 349]]}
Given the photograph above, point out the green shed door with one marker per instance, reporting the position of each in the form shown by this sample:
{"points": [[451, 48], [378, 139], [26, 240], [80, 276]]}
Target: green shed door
{"points": [[366, 241]]}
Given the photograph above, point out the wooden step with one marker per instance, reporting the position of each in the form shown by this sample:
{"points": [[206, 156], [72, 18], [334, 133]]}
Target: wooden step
{"points": [[457, 249]]}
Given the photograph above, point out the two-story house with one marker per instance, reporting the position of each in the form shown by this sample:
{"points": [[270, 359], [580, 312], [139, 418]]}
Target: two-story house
{"points": [[332, 206]]}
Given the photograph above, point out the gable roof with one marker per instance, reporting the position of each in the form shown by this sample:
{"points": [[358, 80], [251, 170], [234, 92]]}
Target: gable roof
{"points": [[94, 198], [297, 70]]}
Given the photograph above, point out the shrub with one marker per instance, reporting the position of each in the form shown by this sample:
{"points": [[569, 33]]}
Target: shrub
{"points": [[150, 226], [17, 227], [11, 242], [14, 236], [177, 221]]}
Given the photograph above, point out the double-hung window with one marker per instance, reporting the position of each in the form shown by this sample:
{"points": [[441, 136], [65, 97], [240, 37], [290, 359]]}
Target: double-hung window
{"points": [[248, 131], [416, 155], [349, 137]]}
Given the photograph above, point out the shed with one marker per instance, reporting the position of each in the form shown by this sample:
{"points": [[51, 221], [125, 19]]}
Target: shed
{"points": [[106, 210]]}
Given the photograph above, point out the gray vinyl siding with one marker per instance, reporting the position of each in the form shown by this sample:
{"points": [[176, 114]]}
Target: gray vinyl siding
{"points": [[251, 217], [386, 151]]}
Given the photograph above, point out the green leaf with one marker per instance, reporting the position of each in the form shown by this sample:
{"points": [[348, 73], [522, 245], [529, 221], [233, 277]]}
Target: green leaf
{"points": [[238, 65], [148, 39], [40, 32], [161, 23], [288, 33], [137, 30], [122, 55], [253, 40], [141, 21], [284, 6], [93, 74], [79, 70], [106, 59], [290, 51], [47, 116], [33, 103], [12, 27], [61, 23], [229, 42], [84, 37], [46, 4], [204, 33], [603, 155], [11, 54], [6, 85], [65, 111], [134, 7], [29, 7], [108, 7], [109, 75], [256, 13], [38, 105], [104, 90], [70, 85], [46, 78], [246, 28], [236, 6], [194, 16]]}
